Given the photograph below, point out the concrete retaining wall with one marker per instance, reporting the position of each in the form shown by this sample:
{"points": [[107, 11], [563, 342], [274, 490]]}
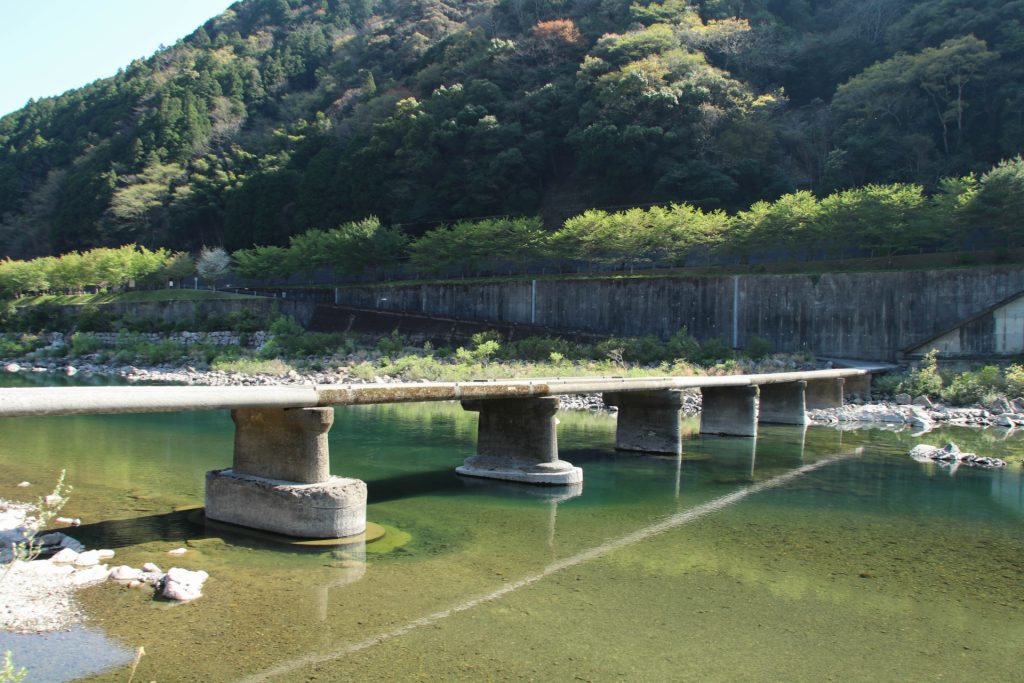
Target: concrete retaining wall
{"points": [[852, 315]]}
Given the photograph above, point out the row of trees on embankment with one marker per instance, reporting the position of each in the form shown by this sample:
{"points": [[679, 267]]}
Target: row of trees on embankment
{"points": [[881, 219], [106, 268], [884, 220]]}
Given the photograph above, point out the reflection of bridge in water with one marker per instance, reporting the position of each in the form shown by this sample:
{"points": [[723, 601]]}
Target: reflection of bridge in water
{"points": [[672, 521], [280, 479]]}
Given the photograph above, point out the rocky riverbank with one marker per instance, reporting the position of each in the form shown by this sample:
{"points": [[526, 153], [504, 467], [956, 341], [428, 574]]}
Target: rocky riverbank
{"points": [[922, 417], [899, 412], [37, 595]]}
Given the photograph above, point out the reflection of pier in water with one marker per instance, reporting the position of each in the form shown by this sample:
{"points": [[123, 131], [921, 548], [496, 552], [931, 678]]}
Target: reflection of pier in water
{"points": [[680, 518], [750, 464]]}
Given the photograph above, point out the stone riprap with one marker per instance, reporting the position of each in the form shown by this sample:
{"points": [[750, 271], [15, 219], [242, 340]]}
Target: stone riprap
{"points": [[916, 416]]}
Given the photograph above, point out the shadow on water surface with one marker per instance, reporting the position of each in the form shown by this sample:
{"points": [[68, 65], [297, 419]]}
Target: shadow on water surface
{"points": [[120, 533]]}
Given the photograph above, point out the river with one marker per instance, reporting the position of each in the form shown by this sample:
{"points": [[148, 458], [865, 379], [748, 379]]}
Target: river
{"points": [[806, 555]]}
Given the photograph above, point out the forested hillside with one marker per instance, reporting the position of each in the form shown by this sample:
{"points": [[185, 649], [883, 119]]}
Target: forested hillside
{"points": [[283, 115]]}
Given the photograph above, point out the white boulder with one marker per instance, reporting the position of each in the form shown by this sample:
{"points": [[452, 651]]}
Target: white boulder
{"points": [[125, 573], [183, 585]]}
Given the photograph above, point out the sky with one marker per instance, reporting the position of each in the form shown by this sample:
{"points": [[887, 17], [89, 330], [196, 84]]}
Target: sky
{"points": [[50, 46]]}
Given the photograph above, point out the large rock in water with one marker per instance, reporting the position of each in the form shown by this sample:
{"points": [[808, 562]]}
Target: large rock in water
{"points": [[183, 585], [950, 454]]}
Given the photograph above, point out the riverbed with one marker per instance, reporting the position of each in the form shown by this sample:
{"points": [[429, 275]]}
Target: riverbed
{"points": [[803, 555]]}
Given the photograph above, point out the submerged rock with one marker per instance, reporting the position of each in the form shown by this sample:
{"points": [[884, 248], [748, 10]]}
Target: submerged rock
{"points": [[183, 585], [87, 559], [65, 556], [95, 574], [125, 573], [951, 455]]}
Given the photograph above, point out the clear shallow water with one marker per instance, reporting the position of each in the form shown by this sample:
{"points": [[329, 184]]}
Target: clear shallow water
{"points": [[729, 564]]}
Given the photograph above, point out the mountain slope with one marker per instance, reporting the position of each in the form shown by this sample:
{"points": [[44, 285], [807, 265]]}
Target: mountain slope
{"points": [[282, 115]]}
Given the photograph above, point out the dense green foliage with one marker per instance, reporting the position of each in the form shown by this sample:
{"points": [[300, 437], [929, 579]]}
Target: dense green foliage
{"points": [[280, 116], [882, 220], [100, 267], [983, 385]]}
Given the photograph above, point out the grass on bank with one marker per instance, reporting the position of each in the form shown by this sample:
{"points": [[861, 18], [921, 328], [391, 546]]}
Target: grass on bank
{"points": [[139, 296], [288, 347]]}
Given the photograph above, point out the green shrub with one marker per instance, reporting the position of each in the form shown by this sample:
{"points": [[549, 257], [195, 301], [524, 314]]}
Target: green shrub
{"points": [[364, 371], [889, 383], [757, 348], [42, 317], [83, 343], [1015, 381], [682, 346], [414, 368], [540, 348], [18, 345], [242, 320], [391, 345], [274, 366], [926, 380], [980, 386], [714, 351], [289, 340], [91, 318], [161, 352]]}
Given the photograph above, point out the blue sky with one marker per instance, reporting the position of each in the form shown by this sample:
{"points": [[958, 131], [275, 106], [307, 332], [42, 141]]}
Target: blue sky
{"points": [[50, 46]]}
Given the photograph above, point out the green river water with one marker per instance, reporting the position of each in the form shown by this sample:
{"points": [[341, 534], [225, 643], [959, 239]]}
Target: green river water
{"points": [[801, 556]]}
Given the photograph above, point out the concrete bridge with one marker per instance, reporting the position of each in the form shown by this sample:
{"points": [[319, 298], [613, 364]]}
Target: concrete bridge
{"points": [[280, 478]]}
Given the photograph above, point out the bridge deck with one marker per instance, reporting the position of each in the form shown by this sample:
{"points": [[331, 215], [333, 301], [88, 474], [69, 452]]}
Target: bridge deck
{"points": [[24, 402]]}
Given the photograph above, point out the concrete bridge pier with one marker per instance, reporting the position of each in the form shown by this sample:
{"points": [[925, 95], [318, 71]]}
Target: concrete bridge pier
{"points": [[517, 440], [729, 411], [857, 387], [783, 403], [647, 421], [824, 393], [280, 479]]}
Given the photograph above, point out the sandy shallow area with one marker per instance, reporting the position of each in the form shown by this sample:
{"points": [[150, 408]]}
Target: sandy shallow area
{"points": [[38, 595]]}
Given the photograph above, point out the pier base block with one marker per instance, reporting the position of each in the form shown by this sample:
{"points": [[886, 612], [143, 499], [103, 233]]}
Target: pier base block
{"points": [[783, 403], [729, 411], [824, 393], [857, 387], [517, 440], [329, 509], [648, 421]]}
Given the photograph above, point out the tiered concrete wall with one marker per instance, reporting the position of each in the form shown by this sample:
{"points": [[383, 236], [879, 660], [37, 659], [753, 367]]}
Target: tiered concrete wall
{"points": [[852, 315]]}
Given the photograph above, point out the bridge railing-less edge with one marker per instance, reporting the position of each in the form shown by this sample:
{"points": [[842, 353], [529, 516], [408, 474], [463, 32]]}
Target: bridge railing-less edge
{"points": [[280, 479]]}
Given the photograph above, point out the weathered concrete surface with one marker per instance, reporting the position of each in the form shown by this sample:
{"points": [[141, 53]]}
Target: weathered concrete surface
{"points": [[783, 403], [289, 444], [328, 509], [857, 387], [29, 402], [729, 411], [824, 393], [517, 440], [647, 421], [871, 315]]}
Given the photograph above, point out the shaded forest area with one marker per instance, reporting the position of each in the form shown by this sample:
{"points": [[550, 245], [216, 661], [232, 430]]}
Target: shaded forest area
{"points": [[280, 116]]}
